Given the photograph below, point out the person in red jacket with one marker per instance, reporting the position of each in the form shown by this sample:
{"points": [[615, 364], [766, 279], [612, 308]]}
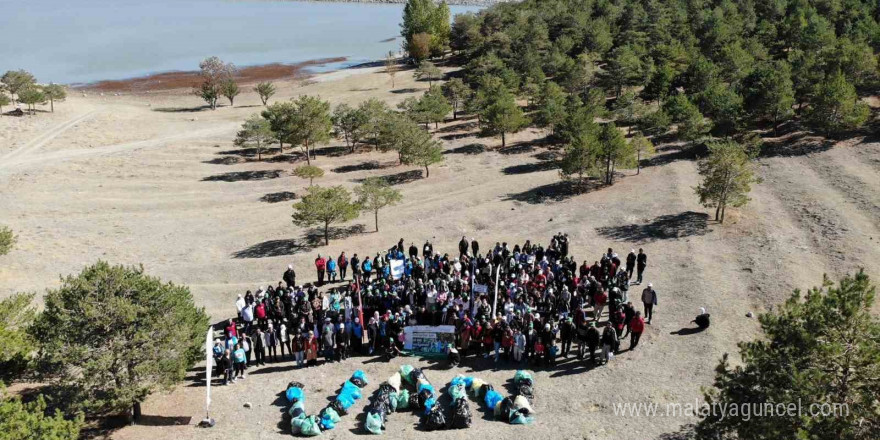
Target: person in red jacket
{"points": [[342, 262], [320, 265], [636, 327], [599, 301]]}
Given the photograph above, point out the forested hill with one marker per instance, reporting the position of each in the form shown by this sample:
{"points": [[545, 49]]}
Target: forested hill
{"points": [[739, 63]]}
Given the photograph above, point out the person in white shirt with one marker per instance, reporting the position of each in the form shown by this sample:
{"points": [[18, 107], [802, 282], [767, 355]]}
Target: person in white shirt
{"points": [[247, 315], [239, 304]]}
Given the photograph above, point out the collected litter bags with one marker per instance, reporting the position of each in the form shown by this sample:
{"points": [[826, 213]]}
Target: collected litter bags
{"points": [[520, 410], [348, 395], [300, 423], [385, 400], [460, 411]]}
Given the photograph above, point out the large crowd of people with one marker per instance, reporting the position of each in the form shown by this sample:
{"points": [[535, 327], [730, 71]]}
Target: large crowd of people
{"points": [[546, 303]]}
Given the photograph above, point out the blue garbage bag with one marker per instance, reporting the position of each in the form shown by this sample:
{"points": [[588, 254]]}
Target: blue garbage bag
{"points": [[492, 398], [345, 400], [359, 375], [351, 389], [294, 394]]}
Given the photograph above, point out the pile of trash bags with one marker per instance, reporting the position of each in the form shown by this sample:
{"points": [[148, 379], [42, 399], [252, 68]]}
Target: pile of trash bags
{"points": [[517, 409], [348, 395], [300, 423], [384, 401], [460, 410], [480, 390]]}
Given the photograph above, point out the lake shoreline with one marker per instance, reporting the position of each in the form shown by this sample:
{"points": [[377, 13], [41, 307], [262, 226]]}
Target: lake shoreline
{"points": [[449, 2], [164, 81]]}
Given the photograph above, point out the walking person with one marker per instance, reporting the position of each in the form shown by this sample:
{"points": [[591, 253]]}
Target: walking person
{"points": [[641, 264], [649, 298], [636, 327], [610, 342], [593, 338], [630, 263]]}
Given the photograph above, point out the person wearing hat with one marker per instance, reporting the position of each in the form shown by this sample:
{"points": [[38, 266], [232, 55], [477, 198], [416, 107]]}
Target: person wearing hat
{"points": [[289, 276], [649, 299]]}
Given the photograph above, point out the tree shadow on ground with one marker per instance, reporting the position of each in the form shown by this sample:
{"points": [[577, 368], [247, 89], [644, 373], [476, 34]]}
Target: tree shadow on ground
{"points": [[238, 176], [469, 149], [331, 151], [797, 145], [554, 192], [365, 166], [672, 226], [517, 149], [289, 246], [407, 90], [547, 155], [534, 167], [182, 109], [225, 160], [674, 154], [274, 248], [400, 178], [277, 197], [250, 152], [285, 158], [460, 126], [456, 136]]}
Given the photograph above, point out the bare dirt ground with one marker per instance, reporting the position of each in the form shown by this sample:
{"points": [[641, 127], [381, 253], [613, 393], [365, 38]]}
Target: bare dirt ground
{"points": [[153, 179]]}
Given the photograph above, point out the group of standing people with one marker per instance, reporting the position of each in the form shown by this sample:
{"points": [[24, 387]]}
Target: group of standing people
{"points": [[546, 302]]}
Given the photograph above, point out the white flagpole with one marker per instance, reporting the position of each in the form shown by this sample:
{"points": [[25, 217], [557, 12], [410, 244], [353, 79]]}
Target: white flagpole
{"points": [[209, 367], [495, 300]]}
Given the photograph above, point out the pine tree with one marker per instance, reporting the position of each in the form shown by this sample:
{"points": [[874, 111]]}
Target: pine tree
{"points": [[728, 175], [827, 342], [836, 106]]}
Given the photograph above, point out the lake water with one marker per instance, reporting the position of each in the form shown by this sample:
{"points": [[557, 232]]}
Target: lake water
{"points": [[78, 41]]}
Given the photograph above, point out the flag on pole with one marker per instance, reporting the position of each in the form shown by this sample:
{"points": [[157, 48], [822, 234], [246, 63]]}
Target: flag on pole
{"points": [[209, 367]]}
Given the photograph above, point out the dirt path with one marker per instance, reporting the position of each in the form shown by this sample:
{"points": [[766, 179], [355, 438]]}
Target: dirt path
{"points": [[41, 140], [152, 179]]}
